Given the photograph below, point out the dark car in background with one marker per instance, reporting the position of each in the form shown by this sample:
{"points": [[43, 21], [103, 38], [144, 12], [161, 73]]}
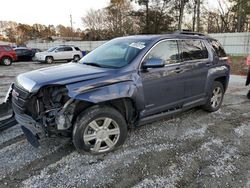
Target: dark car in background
{"points": [[126, 82], [24, 54], [7, 55]]}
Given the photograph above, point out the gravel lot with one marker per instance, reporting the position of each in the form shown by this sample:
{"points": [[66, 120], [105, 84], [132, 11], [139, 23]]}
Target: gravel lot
{"points": [[193, 149]]}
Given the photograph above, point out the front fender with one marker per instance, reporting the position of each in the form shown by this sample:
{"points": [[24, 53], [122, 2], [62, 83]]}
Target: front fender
{"points": [[122, 89]]}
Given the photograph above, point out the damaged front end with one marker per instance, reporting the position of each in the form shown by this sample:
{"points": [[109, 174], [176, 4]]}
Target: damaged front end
{"points": [[45, 113]]}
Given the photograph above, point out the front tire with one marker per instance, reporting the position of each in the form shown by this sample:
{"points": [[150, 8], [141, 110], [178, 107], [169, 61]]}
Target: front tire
{"points": [[99, 129], [6, 61], [215, 97], [49, 60]]}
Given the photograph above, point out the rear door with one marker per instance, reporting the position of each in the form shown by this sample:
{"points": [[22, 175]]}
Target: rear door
{"points": [[195, 56], [68, 52]]}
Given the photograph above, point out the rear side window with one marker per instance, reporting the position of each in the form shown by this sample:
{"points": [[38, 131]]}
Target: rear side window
{"points": [[193, 50], [77, 49], [68, 49], [218, 48], [167, 51]]}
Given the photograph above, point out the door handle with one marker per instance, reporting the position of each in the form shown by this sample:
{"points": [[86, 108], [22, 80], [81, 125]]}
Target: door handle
{"points": [[178, 70]]}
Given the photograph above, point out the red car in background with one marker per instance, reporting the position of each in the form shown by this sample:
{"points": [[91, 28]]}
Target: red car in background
{"points": [[7, 55]]}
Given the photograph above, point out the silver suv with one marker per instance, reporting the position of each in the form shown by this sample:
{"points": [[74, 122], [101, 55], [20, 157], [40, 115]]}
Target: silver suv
{"points": [[59, 53]]}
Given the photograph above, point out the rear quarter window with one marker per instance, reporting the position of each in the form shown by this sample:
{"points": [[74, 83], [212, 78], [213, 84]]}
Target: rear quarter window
{"points": [[77, 49], [218, 48], [192, 50]]}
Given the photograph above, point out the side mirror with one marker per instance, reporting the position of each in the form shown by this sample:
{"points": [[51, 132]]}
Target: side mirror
{"points": [[153, 63]]}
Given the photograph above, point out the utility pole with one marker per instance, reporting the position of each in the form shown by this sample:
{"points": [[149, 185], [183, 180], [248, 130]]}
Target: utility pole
{"points": [[71, 25]]}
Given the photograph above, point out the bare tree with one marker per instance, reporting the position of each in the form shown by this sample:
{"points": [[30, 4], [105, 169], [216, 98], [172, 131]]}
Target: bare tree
{"points": [[95, 22]]}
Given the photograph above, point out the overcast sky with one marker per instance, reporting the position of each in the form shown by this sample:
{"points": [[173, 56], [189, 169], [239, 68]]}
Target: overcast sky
{"points": [[51, 11]]}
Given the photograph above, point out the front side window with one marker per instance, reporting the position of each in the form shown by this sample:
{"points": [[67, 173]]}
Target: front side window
{"points": [[167, 51], [193, 50], [60, 49], [51, 49]]}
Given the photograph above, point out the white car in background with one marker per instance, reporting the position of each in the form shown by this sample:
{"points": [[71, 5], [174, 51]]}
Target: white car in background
{"points": [[59, 53]]}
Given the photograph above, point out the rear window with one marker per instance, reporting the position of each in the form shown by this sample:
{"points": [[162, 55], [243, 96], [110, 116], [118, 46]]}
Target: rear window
{"points": [[192, 50], [77, 49], [218, 48]]}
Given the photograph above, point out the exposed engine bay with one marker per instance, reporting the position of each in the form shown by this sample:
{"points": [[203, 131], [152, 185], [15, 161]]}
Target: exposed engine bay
{"points": [[54, 109], [50, 111]]}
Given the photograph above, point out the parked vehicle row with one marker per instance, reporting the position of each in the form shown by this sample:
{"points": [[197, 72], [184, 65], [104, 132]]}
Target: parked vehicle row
{"points": [[58, 53], [126, 82]]}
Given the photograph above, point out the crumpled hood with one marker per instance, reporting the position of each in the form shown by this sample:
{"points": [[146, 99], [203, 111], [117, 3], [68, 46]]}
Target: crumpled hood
{"points": [[62, 74]]}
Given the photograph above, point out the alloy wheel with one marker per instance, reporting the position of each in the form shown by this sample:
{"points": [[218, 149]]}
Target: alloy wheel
{"points": [[216, 97], [7, 61], [101, 134]]}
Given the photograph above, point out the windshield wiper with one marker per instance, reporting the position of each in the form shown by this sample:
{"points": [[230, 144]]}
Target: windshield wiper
{"points": [[93, 64], [99, 65]]}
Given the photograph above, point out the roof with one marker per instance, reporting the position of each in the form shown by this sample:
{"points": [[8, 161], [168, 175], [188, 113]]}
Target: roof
{"points": [[175, 35]]}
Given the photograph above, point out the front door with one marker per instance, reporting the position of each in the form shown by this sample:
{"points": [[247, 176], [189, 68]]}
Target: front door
{"points": [[59, 53], [163, 87]]}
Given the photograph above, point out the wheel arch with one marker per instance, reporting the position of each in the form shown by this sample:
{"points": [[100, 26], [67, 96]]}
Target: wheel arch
{"points": [[125, 106], [6, 56], [223, 80], [220, 74]]}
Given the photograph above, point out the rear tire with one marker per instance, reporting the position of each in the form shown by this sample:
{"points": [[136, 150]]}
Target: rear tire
{"points": [[6, 61], [215, 97], [76, 58], [99, 129], [49, 60]]}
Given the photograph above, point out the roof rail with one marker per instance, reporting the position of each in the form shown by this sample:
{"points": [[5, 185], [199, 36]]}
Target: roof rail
{"points": [[188, 32]]}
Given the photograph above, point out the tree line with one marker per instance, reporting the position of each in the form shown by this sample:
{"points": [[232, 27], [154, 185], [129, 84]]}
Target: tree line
{"points": [[128, 17], [120, 18], [20, 33]]}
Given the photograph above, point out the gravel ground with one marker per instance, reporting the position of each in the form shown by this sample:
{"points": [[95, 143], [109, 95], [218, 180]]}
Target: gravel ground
{"points": [[193, 149]]}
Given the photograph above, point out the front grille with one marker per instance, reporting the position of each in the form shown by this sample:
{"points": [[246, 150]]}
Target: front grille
{"points": [[22, 101]]}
